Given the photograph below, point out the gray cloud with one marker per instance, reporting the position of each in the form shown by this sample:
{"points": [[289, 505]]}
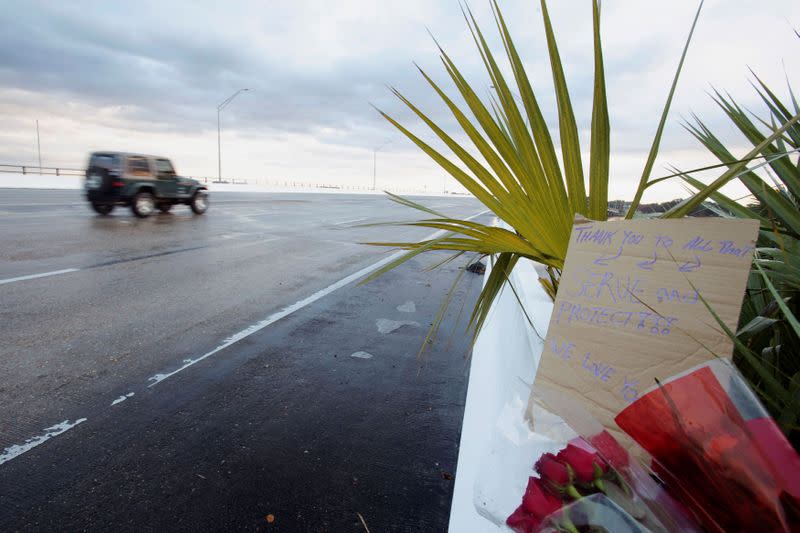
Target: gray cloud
{"points": [[174, 72], [315, 66]]}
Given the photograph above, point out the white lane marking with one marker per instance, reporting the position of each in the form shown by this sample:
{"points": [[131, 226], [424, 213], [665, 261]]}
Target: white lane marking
{"points": [[271, 319], [407, 307], [288, 310], [386, 326], [68, 270], [18, 449], [122, 398], [260, 241], [42, 275], [348, 221]]}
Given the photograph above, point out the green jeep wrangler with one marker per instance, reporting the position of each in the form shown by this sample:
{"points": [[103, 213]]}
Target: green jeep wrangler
{"points": [[142, 182]]}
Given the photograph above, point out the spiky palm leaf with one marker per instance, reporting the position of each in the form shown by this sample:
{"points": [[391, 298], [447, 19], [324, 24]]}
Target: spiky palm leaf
{"points": [[768, 339], [516, 172]]}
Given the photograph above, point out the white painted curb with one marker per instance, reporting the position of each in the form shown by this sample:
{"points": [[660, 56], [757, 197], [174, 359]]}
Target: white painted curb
{"points": [[503, 365]]}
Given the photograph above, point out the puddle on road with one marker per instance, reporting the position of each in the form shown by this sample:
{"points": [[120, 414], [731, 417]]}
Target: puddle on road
{"points": [[387, 326]]}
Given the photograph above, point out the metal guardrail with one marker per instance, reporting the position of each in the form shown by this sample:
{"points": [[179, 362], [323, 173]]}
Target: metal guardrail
{"points": [[35, 169], [289, 184], [314, 185]]}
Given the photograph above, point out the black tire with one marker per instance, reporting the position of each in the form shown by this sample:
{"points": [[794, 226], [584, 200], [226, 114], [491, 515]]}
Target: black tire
{"points": [[143, 204], [164, 208], [199, 202], [102, 209]]}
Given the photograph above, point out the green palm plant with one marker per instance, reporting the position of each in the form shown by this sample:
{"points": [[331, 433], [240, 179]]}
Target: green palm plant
{"points": [[767, 342], [516, 172]]}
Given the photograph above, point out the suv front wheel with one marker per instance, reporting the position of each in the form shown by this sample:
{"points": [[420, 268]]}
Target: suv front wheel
{"points": [[143, 204], [199, 202]]}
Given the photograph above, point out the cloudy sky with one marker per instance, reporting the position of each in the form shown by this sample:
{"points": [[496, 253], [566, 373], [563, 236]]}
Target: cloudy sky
{"points": [[147, 76]]}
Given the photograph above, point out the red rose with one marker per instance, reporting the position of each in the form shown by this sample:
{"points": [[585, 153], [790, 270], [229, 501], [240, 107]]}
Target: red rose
{"points": [[537, 504], [553, 471], [610, 449], [538, 500], [522, 521], [586, 465]]}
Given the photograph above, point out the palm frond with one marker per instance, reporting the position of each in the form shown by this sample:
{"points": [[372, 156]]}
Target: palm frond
{"points": [[511, 163], [651, 156]]}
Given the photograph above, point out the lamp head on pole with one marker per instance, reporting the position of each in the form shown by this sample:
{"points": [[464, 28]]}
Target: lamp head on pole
{"points": [[229, 99]]}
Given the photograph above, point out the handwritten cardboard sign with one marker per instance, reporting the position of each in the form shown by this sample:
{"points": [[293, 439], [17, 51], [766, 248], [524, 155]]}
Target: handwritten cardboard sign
{"points": [[626, 312]]}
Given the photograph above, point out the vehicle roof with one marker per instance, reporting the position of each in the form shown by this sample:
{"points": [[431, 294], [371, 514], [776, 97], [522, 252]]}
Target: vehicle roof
{"points": [[135, 154]]}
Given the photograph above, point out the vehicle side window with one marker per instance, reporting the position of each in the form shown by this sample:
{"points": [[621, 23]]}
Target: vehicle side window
{"points": [[110, 161], [164, 167], [138, 166]]}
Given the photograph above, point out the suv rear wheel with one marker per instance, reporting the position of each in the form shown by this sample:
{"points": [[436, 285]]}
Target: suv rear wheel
{"points": [[143, 204], [102, 209], [199, 202]]}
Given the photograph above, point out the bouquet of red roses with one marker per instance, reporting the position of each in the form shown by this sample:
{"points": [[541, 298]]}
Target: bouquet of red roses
{"points": [[712, 458], [718, 451], [578, 490]]}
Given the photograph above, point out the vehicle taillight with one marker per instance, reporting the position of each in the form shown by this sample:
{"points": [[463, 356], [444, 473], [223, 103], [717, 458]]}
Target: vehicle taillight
{"points": [[117, 183]]}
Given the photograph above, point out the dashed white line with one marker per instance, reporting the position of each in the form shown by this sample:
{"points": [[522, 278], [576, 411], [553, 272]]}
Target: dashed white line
{"points": [[348, 221], [18, 449], [254, 243], [42, 275], [271, 319], [122, 398], [69, 270], [286, 311]]}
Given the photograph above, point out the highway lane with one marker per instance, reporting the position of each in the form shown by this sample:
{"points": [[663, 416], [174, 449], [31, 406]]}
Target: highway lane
{"points": [[124, 302]]}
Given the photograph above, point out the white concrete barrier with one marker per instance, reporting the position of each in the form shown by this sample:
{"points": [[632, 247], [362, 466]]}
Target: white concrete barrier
{"points": [[489, 482], [32, 180]]}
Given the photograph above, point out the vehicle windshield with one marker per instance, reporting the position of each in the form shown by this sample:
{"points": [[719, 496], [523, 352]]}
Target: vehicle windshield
{"points": [[104, 160]]}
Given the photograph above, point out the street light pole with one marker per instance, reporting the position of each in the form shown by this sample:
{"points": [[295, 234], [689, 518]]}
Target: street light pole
{"points": [[39, 146], [220, 107], [219, 150], [375, 162]]}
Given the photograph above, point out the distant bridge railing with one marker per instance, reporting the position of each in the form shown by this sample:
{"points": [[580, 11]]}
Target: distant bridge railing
{"points": [[35, 169], [275, 183]]}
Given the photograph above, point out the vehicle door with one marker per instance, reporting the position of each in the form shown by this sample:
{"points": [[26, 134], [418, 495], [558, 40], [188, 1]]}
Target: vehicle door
{"points": [[167, 180]]}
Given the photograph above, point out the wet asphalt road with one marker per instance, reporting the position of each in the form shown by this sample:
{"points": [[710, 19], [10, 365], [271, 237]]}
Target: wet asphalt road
{"points": [[284, 422]]}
